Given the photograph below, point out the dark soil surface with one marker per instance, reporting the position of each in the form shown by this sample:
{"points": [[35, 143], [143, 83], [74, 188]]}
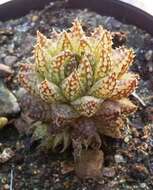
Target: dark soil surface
{"points": [[129, 162]]}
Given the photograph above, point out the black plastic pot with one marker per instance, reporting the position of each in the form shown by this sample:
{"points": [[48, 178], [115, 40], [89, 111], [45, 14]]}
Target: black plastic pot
{"points": [[120, 10]]}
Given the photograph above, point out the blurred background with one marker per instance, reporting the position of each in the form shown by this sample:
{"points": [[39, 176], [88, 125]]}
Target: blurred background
{"points": [[146, 5]]}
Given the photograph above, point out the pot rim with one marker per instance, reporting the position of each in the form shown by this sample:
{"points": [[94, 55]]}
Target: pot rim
{"points": [[122, 11]]}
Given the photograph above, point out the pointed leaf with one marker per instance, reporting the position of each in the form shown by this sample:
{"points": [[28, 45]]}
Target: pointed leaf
{"points": [[55, 69], [41, 39], [103, 66], [57, 140], [85, 73], [49, 92], [43, 52], [66, 140], [71, 87], [76, 29], [127, 107], [66, 42], [40, 59], [40, 130], [104, 87], [79, 80], [125, 86], [98, 32], [122, 59], [40, 53], [84, 46], [104, 45], [35, 108]]}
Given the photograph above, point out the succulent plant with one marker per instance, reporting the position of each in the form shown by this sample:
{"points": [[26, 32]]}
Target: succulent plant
{"points": [[79, 85]]}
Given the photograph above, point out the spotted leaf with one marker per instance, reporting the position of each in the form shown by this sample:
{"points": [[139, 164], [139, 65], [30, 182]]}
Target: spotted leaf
{"points": [[55, 70], [71, 87], [125, 86], [65, 42], [104, 87], [103, 66], [126, 106], [84, 46], [122, 59], [87, 105], [76, 29], [85, 73], [104, 45], [49, 92]]}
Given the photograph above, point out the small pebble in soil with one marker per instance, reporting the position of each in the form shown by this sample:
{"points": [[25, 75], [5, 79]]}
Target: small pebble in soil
{"points": [[127, 138], [109, 171], [6, 187], [113, 23], [149, 55], [10, 60], [119, 159], [139, 171], [3, 180], [143, 186], [8, 102]]}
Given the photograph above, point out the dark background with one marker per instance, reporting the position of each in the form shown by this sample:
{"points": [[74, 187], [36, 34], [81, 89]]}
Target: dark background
{"points": [[122, 11]]}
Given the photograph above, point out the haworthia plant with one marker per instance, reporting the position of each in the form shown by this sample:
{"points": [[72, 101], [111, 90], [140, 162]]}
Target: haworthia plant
{"points": [[80, 85]]}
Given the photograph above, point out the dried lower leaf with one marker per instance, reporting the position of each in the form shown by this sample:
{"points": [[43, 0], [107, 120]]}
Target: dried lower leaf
{"points": [[61, 139], [90, 164], [28, 78], [113, 128], [113, 108], [35, 108], [109, 109], [85, 134], [63, 114]]}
